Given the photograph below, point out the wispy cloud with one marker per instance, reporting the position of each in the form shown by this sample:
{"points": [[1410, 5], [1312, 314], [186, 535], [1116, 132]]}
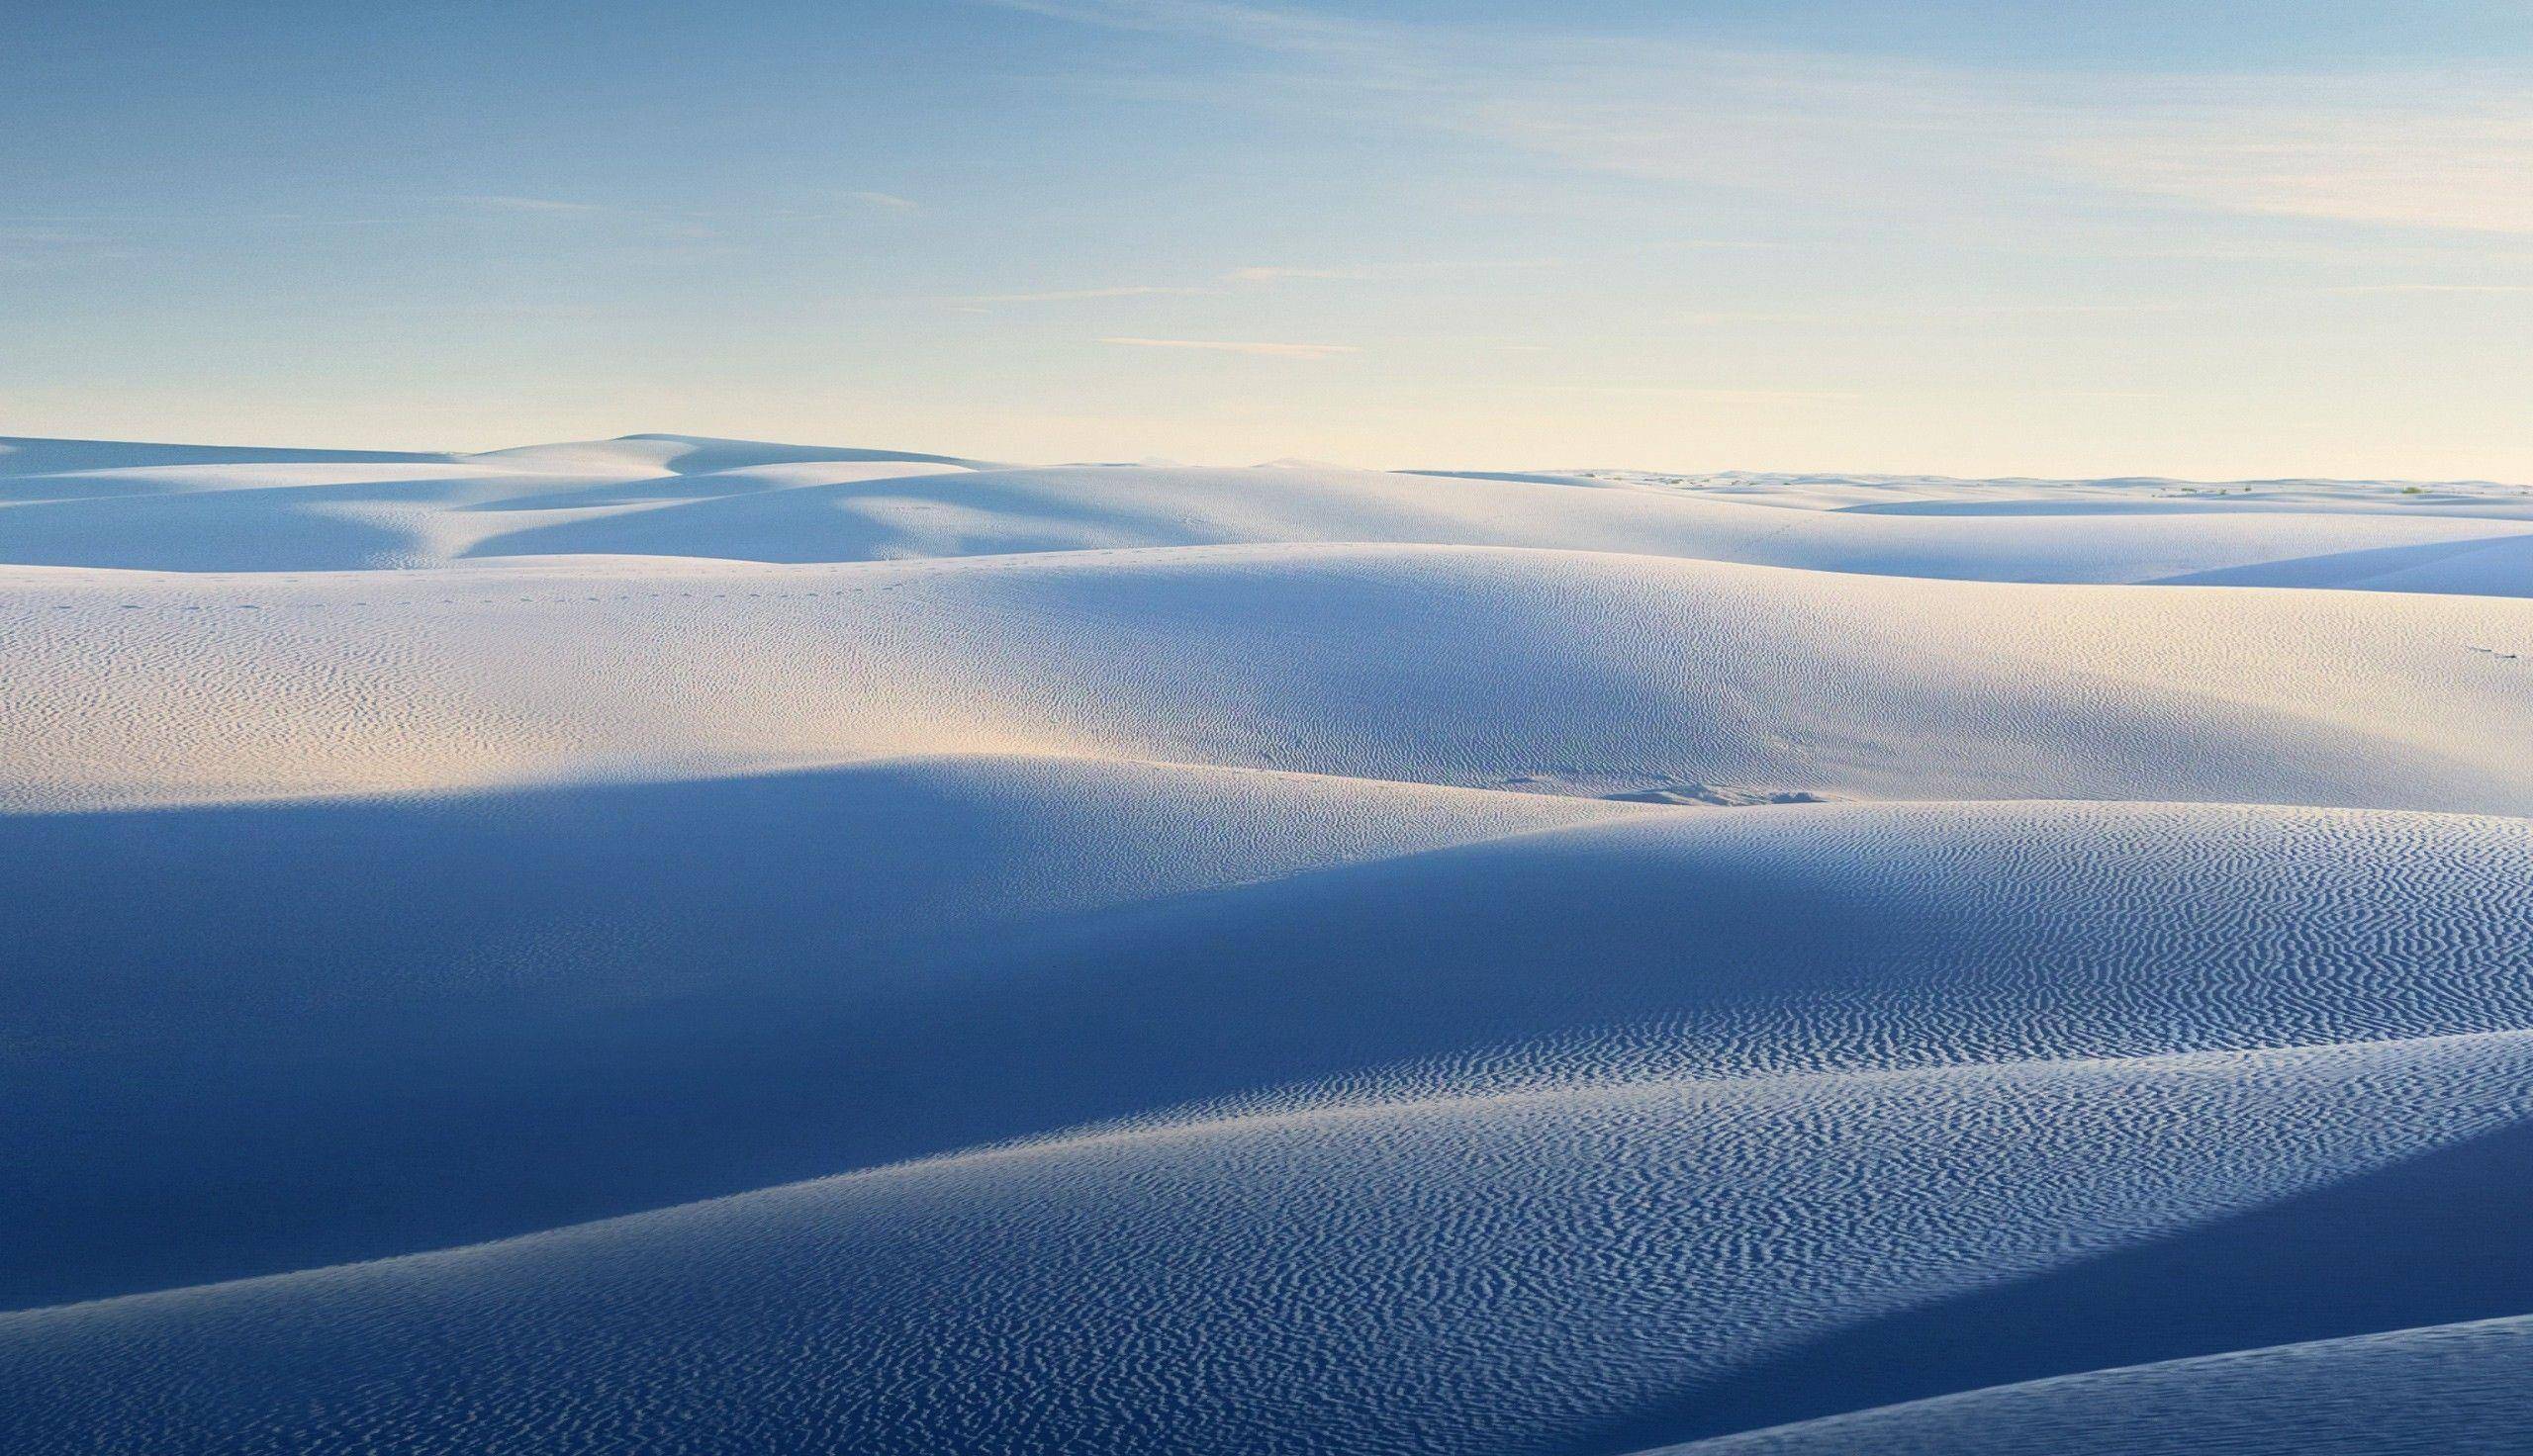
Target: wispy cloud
{"points": [[27, 248], [2459, 288], [530, 206], [1232, 346], [1235, 276], [888, 201], [1260, 27], [1072, 295], [1269, 274], [2453, 149], [1707, 395], [2050, 394]]}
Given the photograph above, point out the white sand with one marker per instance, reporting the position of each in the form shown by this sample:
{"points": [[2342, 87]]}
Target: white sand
{"points": [[693, 945]]}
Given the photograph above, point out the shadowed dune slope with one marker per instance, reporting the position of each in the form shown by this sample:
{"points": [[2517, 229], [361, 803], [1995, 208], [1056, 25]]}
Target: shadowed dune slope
{"points": [[1505, 1144], [1497, 1274]]}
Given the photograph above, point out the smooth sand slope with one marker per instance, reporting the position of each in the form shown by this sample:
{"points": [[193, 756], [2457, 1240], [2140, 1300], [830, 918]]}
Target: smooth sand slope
{"points": [[2329, 1396], [688, 944], [1556, 671]]}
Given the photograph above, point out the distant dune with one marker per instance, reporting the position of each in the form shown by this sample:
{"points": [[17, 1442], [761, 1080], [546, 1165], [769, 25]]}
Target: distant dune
{"points": [[167, 508], [696, 944]]}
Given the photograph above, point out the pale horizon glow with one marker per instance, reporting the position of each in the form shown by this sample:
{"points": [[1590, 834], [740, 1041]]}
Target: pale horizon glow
{"points": [[1964, 239]]}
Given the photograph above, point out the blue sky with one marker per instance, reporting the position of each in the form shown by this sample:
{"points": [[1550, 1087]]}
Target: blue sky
{"points": [[1998, 237]]}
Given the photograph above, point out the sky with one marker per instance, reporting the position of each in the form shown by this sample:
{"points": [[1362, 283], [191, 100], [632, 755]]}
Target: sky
{"points": [[1993, 237]]}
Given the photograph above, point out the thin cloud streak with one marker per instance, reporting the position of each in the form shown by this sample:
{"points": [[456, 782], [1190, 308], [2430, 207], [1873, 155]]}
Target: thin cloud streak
{"points": [[530, 206], [1233, 347], [1248, 275], [1279, 275], [2456, 287], [2448, 151], [1711, 396], [1072, 294]]}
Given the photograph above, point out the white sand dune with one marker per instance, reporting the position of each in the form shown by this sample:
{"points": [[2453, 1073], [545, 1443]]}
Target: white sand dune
{"points": [[1524, 1272], [981, 950], [676, 495], [2324, 1398], [689, 944], [1484, 667]]}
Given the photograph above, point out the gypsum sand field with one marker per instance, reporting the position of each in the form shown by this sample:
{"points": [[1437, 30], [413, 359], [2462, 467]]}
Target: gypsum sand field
{"points": [[678, 943]]}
